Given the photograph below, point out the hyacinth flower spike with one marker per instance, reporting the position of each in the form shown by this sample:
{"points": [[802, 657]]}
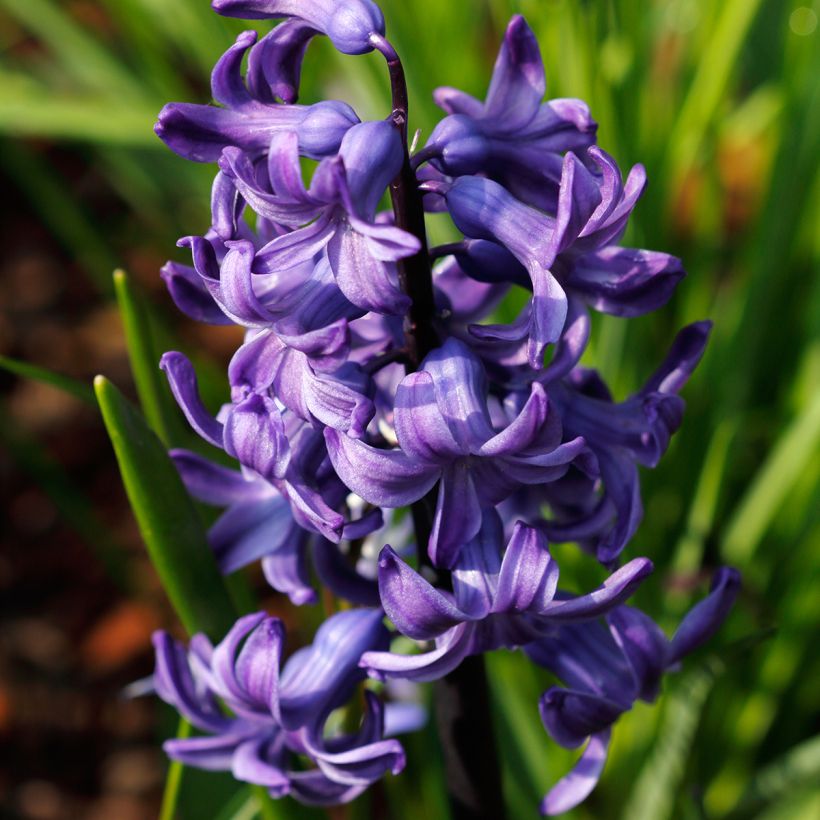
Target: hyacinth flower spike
{"points": [[445, 433], [513, 137], [200, 132], [607, 669], [275, 718]]}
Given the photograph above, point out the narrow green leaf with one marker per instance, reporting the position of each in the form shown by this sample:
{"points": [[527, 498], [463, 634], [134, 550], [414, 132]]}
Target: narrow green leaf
{"points": [[173, 781], [67, 384], [793, 452], [654, 792], [167, 518], [799, 767], [155, 397]]}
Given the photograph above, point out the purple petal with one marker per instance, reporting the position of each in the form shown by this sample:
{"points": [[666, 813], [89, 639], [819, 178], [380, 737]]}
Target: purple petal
{"points": [[182, 380], [215, 484], [251, 766], [255, 435], [213, 753], [520, 434], [578, 199], [421, 429], [518, 83], [365, 280], [227, 85], [475, 574], [322, 676], [387, 478], [624, 281], [341, 578], [250, 530], [615, 590], [683, 357], [190, 295], [705, 618], [175, 684], [451, 649], [286, 570], [575, 787], [529, 576], [417, 609], [644, 646], [571, 716], [457, 517], [275, 63], [460, 387]]}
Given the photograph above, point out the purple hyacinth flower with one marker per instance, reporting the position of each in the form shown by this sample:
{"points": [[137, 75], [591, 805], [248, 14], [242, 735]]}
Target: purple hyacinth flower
{"points": [[445, 433], [572, 252], [280, 449], [607, 669], [496, 601], [512, 137], [349, 24], [200, 132], [338, 212], [279, 718], [621, 436]]}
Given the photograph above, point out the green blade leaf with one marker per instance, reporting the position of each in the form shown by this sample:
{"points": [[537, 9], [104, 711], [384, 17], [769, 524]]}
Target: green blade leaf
{"points": [[155, 397], [67, 384], [167, 518]]}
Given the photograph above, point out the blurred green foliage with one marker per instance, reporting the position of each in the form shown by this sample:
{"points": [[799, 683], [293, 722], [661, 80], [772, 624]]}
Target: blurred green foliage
{"points": [[721, 103]]}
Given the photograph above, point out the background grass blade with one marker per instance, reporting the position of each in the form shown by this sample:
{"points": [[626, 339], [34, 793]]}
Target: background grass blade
{"points": [[67, 384], [155, 397]]}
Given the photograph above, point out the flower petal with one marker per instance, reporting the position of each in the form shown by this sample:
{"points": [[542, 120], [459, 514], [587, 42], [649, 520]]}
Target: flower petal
{"points": [[387, 478], [417, 609], [575, 787]]}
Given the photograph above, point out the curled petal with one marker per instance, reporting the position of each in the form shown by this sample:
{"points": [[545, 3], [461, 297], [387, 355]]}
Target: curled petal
{"points": [[190, 295], [227, 85], [255, 435], [572, 716], [250, 765], [575, 787], [182, 380], [615, 590], [451, 649], [387, 478], [706, 616], [529, 576], [418, 609]]}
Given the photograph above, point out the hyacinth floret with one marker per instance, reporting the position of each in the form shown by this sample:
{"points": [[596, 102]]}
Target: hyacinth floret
{"points": [[375, 375]]}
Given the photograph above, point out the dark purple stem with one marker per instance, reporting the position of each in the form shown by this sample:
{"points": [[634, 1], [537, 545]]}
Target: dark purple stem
{"points": [[463, 713]]}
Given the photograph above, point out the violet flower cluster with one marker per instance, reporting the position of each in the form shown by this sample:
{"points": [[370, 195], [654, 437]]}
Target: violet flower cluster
{"points": [[495, 432]]}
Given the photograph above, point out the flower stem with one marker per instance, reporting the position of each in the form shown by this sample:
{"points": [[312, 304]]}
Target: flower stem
{"points": [[462, 702], [415, 274]]}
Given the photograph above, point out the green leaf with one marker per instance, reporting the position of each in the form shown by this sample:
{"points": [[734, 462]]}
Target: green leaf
{"points": [[74, 387], [799, 767], [167, 518], [785, 464], [173, 780], [653, 795], [152, 388]]}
